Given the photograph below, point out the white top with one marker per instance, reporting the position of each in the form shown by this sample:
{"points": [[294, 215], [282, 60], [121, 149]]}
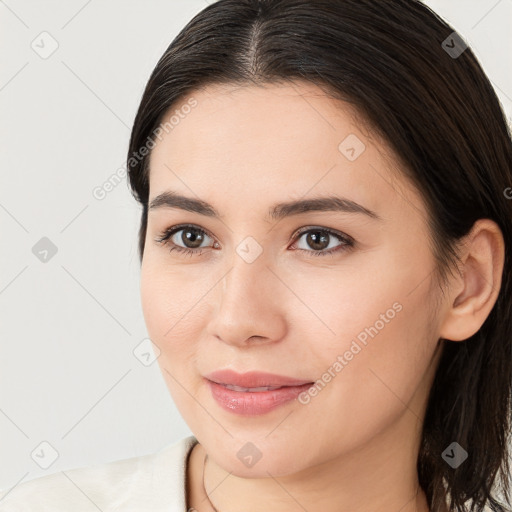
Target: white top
{"points": [[149, 483], [152, 483]]}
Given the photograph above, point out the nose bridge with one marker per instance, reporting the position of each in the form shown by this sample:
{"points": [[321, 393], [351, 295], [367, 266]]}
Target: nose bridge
{"points": [[248, 274], [246, 304]]}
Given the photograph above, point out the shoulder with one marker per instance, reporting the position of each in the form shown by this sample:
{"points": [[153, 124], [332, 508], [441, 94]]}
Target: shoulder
{"points": [[154, 481]]}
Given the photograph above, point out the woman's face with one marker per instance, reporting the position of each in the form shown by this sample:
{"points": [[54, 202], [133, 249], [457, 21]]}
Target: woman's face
{"points": [[354, 318]]}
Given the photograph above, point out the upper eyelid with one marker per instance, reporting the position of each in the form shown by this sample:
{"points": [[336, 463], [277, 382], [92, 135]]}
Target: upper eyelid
{"points": [[332, 231], [168, 233], [179, 227]]}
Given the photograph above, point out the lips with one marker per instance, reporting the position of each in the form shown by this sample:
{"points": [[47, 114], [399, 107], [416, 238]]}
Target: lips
{"points": [[251, 402], [253, 381]]}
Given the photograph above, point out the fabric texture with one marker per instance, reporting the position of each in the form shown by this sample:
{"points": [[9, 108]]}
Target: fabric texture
{"points": [[152, 483]]}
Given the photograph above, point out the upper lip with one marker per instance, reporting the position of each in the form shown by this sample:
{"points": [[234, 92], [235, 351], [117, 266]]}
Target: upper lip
{"points": [[253, 379]]}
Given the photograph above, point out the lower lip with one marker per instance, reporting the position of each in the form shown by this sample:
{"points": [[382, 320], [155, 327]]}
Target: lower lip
{"points": [[249, 403]]}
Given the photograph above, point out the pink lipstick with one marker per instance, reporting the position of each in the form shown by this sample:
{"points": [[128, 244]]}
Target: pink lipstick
{"points": [[253, 392]]}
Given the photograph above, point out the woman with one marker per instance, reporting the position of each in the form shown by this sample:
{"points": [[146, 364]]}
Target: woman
{"points": [[325, 267]]}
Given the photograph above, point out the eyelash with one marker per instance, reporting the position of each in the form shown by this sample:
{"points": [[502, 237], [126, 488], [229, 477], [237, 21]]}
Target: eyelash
{"points": [[348, 243]]}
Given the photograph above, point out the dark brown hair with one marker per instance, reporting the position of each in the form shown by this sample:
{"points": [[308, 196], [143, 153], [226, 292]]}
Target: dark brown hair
{"points": [[416, 84]]}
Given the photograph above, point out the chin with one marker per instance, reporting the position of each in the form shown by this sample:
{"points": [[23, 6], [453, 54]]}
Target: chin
{"points": [[235, 455]]}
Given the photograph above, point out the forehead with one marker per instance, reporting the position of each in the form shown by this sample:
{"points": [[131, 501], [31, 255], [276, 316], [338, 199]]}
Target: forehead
{"points": [[273, 141]]}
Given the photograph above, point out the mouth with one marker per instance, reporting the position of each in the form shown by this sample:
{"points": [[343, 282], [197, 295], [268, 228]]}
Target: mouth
{"points": [[252, 401], [252, 390], [253, 381]]}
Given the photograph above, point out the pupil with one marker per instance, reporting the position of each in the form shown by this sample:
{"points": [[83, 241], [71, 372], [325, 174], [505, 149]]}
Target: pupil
{"points": [[196, 238], [317, 241]]}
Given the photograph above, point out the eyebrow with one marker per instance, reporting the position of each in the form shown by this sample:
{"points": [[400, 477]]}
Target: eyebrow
{"points": [[170, 199]]}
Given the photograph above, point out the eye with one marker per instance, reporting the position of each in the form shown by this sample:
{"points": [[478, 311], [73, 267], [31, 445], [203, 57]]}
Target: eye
{"points": [[320, 239], [191, 236]]}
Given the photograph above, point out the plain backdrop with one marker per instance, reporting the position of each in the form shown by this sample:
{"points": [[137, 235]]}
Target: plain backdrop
{"points": [[72, 390]]}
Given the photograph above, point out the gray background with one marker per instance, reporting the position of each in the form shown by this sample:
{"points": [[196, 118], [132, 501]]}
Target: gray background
{"points": [[69, 325]]}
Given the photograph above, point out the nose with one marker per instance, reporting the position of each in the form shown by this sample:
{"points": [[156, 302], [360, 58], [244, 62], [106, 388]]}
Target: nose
{"points": [[248, 305]]}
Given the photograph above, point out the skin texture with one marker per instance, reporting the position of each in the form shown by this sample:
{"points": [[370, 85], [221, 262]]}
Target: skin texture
{"points": [[354, 446]]}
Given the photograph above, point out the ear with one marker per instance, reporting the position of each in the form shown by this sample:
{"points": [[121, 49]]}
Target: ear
{"points": [[474, 293]]}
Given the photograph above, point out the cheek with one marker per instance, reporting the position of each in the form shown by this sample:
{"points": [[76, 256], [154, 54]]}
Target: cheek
{"points": [[167, 297], [168, 308], [174, 326], [379, 358], [377, 322]]}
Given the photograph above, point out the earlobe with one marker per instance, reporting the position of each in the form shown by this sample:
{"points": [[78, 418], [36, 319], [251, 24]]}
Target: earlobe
{"points": [[476, 290]]}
